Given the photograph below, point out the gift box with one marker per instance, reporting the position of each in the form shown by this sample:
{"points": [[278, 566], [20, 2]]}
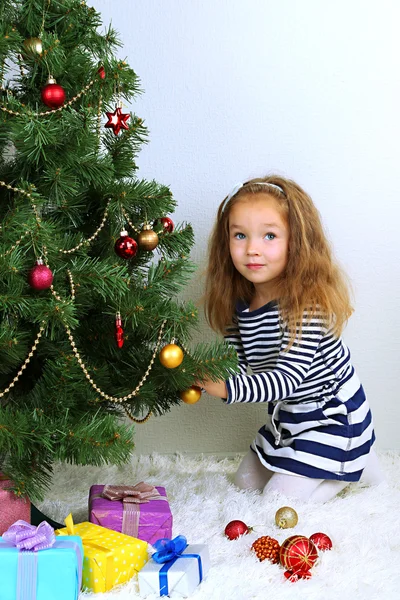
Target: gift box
{"points": [[44, 573], [12, 508], [110, 558], [141, 510], [176, 567]]}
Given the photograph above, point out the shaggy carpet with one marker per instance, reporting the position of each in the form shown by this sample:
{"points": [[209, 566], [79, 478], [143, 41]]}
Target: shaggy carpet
{"points": [[363, 524]]}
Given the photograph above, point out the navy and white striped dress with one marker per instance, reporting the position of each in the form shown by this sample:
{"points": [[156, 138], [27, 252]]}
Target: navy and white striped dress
{"points": [[319, 424]]}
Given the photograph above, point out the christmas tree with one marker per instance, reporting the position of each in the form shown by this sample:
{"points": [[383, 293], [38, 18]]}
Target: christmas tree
{"points": [[92, 329]]}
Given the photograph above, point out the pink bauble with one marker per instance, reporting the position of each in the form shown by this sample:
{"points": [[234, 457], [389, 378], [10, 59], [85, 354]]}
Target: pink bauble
{"points": [[40, 277]]}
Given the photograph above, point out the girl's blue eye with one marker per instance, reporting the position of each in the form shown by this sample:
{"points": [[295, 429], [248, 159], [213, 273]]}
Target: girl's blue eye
{"points": [[270, 236], [240, 236]]}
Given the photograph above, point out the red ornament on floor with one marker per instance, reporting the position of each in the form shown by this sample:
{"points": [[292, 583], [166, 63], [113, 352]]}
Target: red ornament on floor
{"points": [[235, 529], [119, 332], [53, 95], [298, 554], [321, 540], [40, 277], [293, 577], [125, 246], [117, 120]]}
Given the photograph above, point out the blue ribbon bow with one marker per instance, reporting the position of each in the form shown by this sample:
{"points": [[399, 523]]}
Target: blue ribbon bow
{"points": [[168, 552], [168, 549]]}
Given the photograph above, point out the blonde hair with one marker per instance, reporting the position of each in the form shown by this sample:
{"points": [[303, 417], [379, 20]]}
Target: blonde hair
{"points": [[312, 280]]}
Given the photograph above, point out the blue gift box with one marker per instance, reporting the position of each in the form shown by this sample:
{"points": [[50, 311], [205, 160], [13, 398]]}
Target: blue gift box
{"points": [[57, 571]]}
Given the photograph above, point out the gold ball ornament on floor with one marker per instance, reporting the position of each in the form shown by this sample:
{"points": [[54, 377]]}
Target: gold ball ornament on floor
{"points": [[286, 517], [171, 356], [191, 395], [32, 47], [147, 238]]}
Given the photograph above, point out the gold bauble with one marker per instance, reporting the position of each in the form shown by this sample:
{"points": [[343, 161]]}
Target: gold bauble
{"points": [[286, 517], [32, 46], [171, 356], [147, 238], [191, 395]]}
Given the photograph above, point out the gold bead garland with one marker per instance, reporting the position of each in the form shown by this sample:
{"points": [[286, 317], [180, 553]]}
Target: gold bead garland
{"points": [[129, 221], [27, 361], [17, 243], [98, 126], [49, 112], [71, 282], [135, 419], [92, 383], [92, 237], [25, 193], [71, 250]]}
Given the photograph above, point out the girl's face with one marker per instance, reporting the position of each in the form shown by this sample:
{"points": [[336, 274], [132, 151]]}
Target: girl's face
{"points": [[259, 241]]}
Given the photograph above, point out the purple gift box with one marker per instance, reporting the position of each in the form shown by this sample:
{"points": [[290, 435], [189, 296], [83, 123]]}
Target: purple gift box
{"points": [[141, 511]]}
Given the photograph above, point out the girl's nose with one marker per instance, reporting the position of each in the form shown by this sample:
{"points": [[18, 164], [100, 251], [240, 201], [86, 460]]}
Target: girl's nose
{"points": [[252, 249]]}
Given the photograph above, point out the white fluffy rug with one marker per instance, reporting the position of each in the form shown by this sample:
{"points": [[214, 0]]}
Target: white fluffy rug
{"points": [[363, 524]]}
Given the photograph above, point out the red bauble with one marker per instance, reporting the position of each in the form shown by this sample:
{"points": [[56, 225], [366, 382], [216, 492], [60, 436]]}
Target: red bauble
{"points": [[321, 540], [101, 72], [40, 277], [117, 120], [298, 554], [125, 246], [119, 332], [53, 95], [167, 224], [235, 529]]}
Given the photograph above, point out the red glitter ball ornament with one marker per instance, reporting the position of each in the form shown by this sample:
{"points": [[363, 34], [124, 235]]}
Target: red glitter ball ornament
{"points": [[298, 554], [321, 540], [101, 72], [125, 246], [53, 95], [40, 277], [235, 529]]}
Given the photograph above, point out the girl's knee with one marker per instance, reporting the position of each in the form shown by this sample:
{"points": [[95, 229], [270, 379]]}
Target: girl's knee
{"points": [[251, 474]]}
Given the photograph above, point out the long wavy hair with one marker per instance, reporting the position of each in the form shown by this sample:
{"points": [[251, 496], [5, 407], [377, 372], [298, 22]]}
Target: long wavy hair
{"points": [[312, 282]]}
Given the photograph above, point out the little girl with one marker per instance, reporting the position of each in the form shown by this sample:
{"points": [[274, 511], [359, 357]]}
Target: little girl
{"points": [[275, 292]]}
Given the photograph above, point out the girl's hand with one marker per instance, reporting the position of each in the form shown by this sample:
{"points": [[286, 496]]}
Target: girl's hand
{"points": [[214, 388]]}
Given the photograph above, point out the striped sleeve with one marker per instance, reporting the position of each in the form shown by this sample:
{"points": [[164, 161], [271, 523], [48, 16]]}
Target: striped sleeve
{"points": [[289, 372], [234, 339]]}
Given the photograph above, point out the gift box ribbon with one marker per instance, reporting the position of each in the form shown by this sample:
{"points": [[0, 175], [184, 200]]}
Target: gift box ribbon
{"points": [[132, 497], [168, 552], [90, 540], [30, 540]]}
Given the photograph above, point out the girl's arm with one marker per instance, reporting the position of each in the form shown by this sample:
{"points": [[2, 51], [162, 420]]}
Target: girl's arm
{"points": [[290, 371], [234, 339], [219, 388]]}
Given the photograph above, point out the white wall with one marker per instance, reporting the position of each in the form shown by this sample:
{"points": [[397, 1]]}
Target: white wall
{"points": [[310, 90]]}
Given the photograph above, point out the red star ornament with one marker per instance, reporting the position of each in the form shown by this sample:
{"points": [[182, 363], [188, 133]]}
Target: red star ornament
{"points": [[117, 120]]}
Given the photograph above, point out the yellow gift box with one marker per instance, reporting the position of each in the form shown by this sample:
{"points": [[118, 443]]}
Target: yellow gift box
{"points": [[110, 559]]}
